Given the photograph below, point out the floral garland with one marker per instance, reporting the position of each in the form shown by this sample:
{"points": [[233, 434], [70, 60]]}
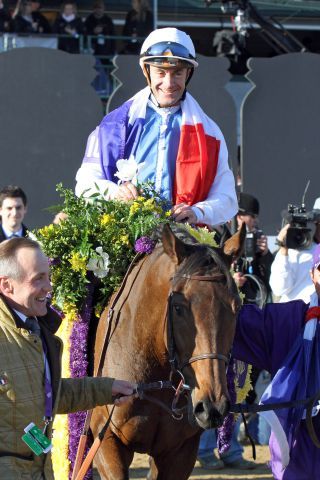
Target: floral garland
{"points": [[60, 438]]}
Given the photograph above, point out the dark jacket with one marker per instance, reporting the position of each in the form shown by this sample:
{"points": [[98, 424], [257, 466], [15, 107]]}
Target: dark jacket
{"points": [[6, 25], [3, 237], [21, 25], [135, 27], [68, 43], [100, 45]]}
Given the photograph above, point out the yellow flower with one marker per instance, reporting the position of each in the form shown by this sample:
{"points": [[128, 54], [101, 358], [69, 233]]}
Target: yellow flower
{"points": [[168, 213], [70, 312], [47, 231], [135, 207], [106, 219], [124, 239], [78, 263]]}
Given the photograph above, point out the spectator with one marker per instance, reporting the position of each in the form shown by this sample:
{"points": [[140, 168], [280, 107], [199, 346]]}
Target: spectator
{"points": [[26, 21], [31, 386], [283, 338], [6, 24], [139, 23], [253, 269], [39, 17], [13, 207], [154, 131], [99, 24], [290, 279], [70, 27]]}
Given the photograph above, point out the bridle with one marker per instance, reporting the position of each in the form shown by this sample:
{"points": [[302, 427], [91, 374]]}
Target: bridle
{"points": [[171, 344], [176, 370]]}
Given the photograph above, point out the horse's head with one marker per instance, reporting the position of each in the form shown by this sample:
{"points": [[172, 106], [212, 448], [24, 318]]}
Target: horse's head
{"points": [[201, 320]]}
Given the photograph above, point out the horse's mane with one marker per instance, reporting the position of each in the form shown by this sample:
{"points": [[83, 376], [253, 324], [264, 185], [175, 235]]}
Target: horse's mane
{"points": [[202, 258]]}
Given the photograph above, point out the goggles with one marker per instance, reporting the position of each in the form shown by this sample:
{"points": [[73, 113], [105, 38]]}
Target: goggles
{"points": [[168, 51]]}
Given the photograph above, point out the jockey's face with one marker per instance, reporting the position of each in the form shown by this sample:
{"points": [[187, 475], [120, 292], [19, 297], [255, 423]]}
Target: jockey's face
{"points": [[168, 84]]}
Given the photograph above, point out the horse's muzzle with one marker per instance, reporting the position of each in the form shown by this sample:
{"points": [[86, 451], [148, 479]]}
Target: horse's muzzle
{"points": [[210, 415]]}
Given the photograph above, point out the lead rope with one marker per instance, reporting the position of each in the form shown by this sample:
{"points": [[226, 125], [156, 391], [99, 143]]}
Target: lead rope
{"points": [[93, 450]]}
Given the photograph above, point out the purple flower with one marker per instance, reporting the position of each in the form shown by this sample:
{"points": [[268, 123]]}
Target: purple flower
{"points": [[54, 261], [226, 430], [144, 245]]}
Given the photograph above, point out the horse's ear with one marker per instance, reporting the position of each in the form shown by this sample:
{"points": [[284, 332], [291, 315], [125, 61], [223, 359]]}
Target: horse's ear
{"points": [[234, 246], [173, 246]]}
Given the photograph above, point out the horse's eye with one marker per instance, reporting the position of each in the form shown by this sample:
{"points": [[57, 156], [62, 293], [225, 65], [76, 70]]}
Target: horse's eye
{"points": [[177, 309]]}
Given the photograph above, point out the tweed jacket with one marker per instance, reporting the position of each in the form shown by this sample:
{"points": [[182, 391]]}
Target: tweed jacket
{"points": [[22, 392]]}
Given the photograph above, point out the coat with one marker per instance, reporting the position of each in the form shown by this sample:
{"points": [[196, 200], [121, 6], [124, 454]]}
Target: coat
{"points": [[264, 338], [22, 392]]}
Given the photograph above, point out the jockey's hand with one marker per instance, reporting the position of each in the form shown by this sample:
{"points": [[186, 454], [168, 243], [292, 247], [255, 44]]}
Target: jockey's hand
{"points": [[122, 391], [239, 278], [183, 213], [126, 192], [60, 216]]}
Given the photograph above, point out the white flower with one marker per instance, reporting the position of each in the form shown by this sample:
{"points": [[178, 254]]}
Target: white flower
{"points": [[128, 170], [99, 264]]}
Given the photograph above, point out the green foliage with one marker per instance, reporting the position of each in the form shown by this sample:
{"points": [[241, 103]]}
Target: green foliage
{"points": [[92, 223]]}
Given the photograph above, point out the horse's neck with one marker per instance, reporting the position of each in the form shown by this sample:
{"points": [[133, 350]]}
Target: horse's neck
{"points": [[148, 306]]}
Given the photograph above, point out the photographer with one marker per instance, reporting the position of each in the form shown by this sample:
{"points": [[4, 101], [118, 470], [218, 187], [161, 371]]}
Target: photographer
{"points": [[290, 271], [252, 270]]}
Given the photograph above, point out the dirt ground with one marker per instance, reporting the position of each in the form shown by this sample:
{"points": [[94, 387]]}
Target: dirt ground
{"points": [[139, 468]]}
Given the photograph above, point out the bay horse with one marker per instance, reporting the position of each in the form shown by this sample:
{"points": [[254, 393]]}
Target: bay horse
{"points": [[173, 319]]}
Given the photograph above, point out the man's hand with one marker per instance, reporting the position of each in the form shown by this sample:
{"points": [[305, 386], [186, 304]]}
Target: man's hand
{"points": [[262, 244], [122, 391], [126, 192], [184, 213], [282, 235], [239, 278]]}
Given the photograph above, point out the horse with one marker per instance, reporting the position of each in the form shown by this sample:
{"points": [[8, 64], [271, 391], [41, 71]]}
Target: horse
{"points": [[172, 322]]}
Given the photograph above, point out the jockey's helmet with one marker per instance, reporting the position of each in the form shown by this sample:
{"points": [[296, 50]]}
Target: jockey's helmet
{"points": [[168, 47]]}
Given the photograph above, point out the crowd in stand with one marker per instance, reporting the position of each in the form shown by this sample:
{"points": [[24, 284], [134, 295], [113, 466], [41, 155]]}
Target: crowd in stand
{"points": [[27, 18]]}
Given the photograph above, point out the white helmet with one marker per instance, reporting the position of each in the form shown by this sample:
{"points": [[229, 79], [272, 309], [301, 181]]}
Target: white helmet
{"points": [[168, 47]]}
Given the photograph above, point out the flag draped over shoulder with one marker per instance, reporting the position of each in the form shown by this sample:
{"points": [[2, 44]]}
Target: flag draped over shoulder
{"points": [[299, 378], [198, 151]]}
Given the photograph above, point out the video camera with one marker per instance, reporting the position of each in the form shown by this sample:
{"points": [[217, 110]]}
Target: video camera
{"points": [[299, 235]]}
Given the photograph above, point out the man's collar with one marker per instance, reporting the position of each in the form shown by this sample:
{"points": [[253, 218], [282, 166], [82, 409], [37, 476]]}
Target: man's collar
{"points": [[21, 315], [164, 111], [9, 234]]}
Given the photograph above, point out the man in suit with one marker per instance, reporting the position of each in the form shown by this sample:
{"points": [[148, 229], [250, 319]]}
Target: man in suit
{"points": [[13, 207], [31, 387]]}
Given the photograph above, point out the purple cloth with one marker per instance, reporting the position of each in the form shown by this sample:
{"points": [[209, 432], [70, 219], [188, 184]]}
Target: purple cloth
{"points": [[266, 338], [118, 139]]}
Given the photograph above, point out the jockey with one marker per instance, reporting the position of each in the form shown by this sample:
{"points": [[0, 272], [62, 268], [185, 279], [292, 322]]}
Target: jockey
{"points": [[166, 138], [284, 339]]}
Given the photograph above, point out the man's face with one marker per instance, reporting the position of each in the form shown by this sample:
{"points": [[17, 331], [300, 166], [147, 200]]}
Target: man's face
{"points": [[98, 11], [28, 293], [69, 9], [250, 220], [168, 84], [12, 213]]}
